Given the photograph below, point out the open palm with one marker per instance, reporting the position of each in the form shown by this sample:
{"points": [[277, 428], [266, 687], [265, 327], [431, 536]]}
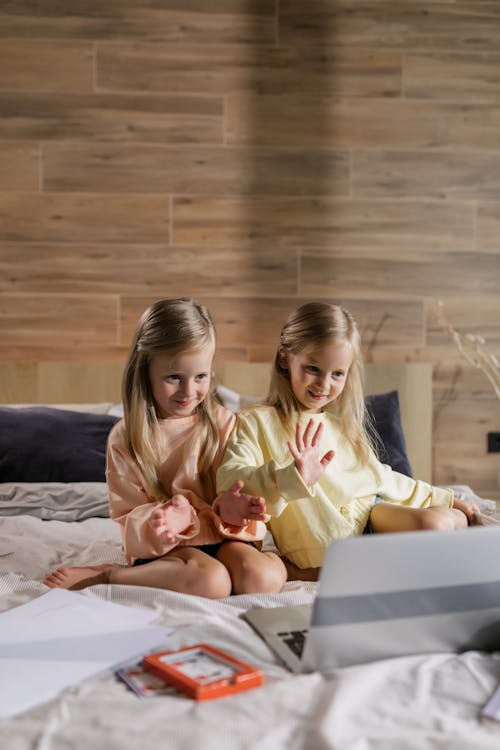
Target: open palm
{"points": [[307, 453]]}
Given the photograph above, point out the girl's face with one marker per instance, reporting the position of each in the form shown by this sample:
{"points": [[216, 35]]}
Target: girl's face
{"points": [[180, 382], [318, 373]]}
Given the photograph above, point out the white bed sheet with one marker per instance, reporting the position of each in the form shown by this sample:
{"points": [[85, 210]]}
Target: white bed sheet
{"points": [[401, 704]]}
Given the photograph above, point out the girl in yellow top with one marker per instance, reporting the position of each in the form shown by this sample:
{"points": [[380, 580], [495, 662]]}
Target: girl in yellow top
{"points": [[307, 452], [161, 464]]}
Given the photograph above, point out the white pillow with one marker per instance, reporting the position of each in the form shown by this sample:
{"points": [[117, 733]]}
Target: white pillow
{"points": [[235, 401], [116, 410]]}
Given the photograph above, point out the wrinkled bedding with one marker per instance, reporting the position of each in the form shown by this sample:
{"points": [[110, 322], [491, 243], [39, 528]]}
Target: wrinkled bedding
{"points": [[400, 704]]}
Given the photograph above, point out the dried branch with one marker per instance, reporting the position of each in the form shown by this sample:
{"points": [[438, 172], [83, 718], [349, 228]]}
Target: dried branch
{"points": [[473, 349]]}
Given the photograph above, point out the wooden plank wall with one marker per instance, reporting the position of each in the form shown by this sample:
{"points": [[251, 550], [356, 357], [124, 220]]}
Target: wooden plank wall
{"points": [[255, 154]]}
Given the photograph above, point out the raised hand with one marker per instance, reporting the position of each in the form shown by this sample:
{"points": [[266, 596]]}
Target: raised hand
{"points": [[236, 508], [306, 452], [172, 518]]}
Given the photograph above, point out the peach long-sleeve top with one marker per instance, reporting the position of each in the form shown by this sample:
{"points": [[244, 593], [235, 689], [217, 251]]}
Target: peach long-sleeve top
{"points": [[132, 504]]}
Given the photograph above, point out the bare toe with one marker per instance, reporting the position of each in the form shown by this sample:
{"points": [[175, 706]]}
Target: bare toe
{"points": [[78, 577]]}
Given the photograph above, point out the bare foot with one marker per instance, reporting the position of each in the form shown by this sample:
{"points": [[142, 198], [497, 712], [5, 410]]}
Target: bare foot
{"points": [[79, 578]]}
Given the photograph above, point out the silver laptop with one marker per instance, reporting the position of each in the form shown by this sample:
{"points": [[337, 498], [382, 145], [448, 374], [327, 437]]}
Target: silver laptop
{"points": [[387, 595]]}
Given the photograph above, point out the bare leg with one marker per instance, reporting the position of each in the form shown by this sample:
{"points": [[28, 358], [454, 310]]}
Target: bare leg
{"points": [[300, 574], [387, 517], [185, 569], [252, 571]]}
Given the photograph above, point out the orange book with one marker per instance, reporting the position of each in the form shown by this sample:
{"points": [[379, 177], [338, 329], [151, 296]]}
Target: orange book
{"points": [[203, 672]]}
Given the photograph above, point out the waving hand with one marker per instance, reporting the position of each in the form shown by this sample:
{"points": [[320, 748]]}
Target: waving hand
{"points": [[306, 452]]}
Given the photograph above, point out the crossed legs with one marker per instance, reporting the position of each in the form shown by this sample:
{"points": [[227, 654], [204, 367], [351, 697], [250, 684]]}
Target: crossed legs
{"points": [[238, 568]]}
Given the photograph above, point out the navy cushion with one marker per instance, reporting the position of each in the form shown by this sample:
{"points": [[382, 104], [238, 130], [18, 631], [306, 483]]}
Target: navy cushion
{"points": [[383, 408], [43, 444]]}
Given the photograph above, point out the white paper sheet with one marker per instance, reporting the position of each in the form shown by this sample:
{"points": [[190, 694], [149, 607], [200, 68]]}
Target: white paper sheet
{"points": [[63, 637]]}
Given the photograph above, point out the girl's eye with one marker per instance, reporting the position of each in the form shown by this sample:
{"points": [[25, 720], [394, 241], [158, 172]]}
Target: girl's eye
{"points": [[172, 378], [202, 376], [312, 369]]}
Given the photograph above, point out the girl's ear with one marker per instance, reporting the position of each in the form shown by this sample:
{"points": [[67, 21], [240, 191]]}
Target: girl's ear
{"points": [[283, 358]]}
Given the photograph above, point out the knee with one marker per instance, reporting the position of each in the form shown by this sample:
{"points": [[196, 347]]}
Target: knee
{"points": [[275, 574], [442, 519], [460, 520], [268, 577], [209, 579]]}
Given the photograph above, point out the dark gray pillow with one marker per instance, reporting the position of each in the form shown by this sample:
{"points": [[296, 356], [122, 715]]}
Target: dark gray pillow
{"points": [[43, 444], [383, 408], [55, 501]]}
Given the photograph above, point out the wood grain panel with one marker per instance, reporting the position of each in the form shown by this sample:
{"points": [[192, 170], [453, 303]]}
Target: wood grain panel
{"points": [[260, 320], [452, 75], [250, 153], [19, 166], [457, 176], [488, 227], [73, 384], [79, 381], [67, 319], [256, 318], [55, 217], [158, 118], [280, 70], [468, 274], [468, 463], [194, 169], [164, 271], [18, 382], [83, 268], [327, 223], [373, 123], [43, 65], [60, 383], [56, 350], [474, 126], [220, 21], [390, 23]]}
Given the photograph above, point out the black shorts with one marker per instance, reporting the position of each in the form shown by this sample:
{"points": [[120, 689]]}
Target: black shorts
{"points": [[368, 528], [208, 549]]}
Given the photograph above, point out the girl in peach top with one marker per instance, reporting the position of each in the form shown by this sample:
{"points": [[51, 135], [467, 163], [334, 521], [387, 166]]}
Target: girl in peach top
{"points": [[161, 464]]}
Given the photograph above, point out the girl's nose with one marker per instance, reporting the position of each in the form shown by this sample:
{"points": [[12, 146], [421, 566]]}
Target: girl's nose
{"points": [[188, 387], [322, 380]]}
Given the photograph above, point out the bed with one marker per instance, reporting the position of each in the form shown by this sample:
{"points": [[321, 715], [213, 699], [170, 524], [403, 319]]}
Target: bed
{"points": [[419, 701]]}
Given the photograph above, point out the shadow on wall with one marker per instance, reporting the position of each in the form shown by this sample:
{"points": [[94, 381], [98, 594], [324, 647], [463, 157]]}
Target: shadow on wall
{"points": [[285, 124]]}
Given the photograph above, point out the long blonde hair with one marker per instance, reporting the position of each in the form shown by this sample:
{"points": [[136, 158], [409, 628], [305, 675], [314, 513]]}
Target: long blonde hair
{"points": [[319, 323], [168, 326]]}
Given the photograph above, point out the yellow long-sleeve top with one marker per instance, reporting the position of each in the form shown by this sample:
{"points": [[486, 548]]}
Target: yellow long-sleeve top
{"points": [[305, 520], [131, 502]]}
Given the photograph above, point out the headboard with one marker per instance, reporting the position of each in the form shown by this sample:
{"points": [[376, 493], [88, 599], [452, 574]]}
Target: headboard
{"points": [[96, 382]]}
